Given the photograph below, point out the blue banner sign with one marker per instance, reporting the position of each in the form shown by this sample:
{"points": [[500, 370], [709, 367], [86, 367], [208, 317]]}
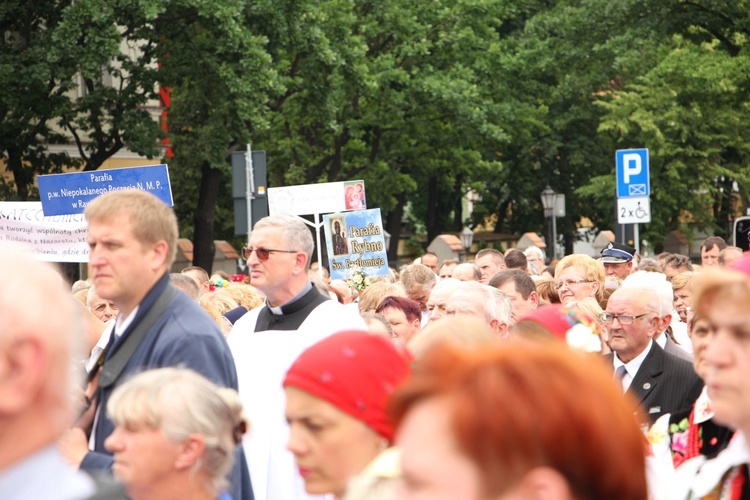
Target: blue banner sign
{"points": [[356, 244], [63, 194]]}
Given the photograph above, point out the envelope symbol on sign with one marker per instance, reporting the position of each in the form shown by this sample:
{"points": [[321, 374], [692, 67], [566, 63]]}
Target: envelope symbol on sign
{"points": [[637, 189]]}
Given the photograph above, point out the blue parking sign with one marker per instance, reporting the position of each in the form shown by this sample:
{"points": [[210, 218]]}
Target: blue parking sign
{"points": [[631, 166]]}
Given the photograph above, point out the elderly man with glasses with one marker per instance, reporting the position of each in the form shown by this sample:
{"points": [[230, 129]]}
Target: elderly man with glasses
{"points": [[266, 341], [660, 382]]}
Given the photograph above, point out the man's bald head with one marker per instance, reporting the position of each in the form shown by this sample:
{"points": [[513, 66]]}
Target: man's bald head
{"points": [[37, 349], [467, 272]]}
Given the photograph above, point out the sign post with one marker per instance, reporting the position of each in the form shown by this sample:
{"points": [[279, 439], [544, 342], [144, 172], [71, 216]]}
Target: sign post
{"points": [[633, 189]]}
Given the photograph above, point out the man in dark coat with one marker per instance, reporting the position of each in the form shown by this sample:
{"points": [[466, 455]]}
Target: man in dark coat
{"points": [[132, 239], [660, 382]]}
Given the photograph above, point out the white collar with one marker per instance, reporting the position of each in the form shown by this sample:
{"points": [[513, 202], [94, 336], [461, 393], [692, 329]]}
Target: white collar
{"points": [[123, 323], [634, 364]]}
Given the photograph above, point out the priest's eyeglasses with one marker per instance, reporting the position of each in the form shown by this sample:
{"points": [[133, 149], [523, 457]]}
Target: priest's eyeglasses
{"points": [[624, 319], [262, 253]]}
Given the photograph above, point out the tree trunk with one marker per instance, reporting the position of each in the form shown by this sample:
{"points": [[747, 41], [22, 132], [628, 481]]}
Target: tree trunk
{"points": [[433, 209], [393, 226], [20, 173], [458, 221], [205, 216]]}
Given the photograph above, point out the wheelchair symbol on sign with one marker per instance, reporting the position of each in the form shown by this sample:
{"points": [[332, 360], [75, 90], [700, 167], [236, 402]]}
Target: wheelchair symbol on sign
{"points": [[638, 212]]}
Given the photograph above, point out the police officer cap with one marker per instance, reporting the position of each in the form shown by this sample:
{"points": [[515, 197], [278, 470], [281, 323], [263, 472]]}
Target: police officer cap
{"points": [[616, 253]]}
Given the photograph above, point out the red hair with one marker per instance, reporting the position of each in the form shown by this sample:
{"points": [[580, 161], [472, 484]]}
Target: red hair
{"points": [[409, 307], [518, 407]]}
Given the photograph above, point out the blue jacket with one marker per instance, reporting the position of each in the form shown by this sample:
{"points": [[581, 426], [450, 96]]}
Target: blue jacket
{"points": [[183, 335]]}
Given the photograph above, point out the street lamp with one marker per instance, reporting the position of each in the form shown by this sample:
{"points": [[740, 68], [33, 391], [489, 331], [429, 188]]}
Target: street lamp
{"points": [[549, 198], [467, 238], [387, 238]]}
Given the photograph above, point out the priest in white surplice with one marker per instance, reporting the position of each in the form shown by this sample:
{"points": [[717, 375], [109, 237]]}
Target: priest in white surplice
{"points": [[266, 341]]}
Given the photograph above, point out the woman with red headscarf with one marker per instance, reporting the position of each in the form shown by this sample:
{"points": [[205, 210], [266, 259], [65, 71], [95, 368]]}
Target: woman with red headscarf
{"points": [[336, 394]]}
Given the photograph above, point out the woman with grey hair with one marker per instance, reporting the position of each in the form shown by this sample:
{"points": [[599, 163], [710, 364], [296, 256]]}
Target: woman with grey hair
{"points": [[176, 435]]}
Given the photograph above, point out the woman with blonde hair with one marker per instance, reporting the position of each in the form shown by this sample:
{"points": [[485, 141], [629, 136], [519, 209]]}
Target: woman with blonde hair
{"points": [[590, 307], [217, 304], [579, 276], [247, 296], [683, 294], [176, 435], [373, 295]]}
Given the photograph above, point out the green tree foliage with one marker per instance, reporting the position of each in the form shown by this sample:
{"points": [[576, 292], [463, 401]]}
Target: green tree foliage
{"points": [[691, 110], [82, 68], [28, 99], [424, 101], [90, 69], [108, 51], [221, 80], [392, 92]]}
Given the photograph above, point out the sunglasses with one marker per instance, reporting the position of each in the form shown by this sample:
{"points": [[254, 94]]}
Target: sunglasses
{"points": [[262, 253]]}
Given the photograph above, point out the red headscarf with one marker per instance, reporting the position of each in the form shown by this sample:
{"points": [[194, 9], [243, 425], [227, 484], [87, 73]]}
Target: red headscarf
{"points": [[558, 319], [575, 328], [354, 371]]}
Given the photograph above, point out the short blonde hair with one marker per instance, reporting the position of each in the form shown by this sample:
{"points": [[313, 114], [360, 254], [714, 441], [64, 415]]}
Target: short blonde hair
{"points": [[418, 275], [683, 280], [246, 295], [591, 307], [714, 285], [460, 331], [375, 293], [221, 300], [151, 220], [82, 296], [180, 402], [592, 270]]}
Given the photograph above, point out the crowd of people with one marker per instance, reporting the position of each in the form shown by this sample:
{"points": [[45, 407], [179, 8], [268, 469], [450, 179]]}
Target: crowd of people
{"points": [[614, 376]]}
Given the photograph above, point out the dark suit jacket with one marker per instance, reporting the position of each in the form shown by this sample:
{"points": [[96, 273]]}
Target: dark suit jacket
{"points": [[184, 335], [664, 384]]}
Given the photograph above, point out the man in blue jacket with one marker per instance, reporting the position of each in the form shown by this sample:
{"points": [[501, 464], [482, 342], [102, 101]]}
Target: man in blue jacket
{"points": [[132, 240]]}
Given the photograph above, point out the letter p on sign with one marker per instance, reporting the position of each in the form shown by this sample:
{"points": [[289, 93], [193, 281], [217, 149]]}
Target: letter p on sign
{"points": [[632, 165]]}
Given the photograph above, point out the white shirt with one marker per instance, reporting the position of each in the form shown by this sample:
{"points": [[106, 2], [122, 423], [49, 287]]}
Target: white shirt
{"points": [[681, 337], [262, 360], [101, 344], [123, 323], [120, 325], [631, 367]]}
